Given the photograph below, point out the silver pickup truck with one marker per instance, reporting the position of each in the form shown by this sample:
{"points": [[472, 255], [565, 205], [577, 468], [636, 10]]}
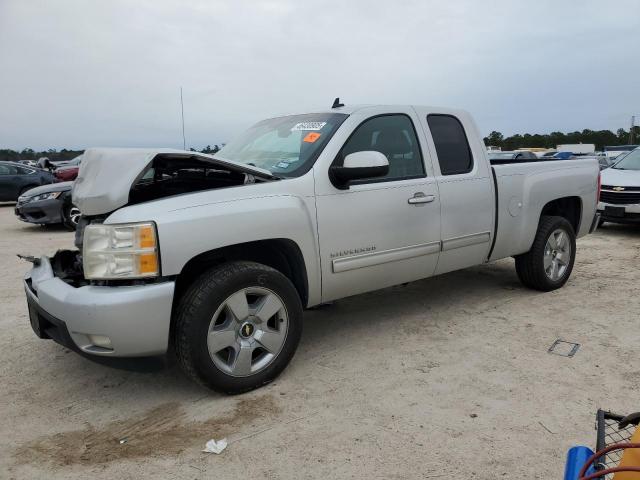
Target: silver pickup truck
{"points": [[216, 257]]}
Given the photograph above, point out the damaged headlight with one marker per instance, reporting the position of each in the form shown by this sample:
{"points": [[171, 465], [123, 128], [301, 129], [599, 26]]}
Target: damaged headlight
{"points": [[120, 251]]}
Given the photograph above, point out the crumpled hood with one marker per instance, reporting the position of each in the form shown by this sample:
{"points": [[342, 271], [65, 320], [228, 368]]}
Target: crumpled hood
{"points": [[620, 178], [107, 174]]}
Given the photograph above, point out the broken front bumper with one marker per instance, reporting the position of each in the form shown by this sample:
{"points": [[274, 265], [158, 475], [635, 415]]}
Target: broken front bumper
{"points": [[116, 321]]}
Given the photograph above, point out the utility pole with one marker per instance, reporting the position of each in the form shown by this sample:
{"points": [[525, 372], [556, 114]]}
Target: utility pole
{"points": [[633, 121], [184, 142]]}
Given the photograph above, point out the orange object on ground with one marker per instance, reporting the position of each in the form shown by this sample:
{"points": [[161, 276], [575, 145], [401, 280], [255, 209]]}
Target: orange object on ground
{"points": [[630, 458]]}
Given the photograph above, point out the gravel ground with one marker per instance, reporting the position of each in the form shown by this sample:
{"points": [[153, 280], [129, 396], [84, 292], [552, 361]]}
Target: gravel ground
{"points": [[444, 378]]}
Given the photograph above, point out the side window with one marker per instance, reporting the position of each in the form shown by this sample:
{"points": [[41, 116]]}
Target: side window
{"points": [[393, 136], [452, 146], [23, 171], [7, 170]]}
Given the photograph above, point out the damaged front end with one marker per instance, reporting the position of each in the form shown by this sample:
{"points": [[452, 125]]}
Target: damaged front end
{"points": [[110, 179]]}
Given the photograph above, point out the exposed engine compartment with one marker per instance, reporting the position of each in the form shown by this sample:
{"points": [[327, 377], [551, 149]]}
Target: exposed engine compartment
{"points": [[170, 175], [67, 266]]}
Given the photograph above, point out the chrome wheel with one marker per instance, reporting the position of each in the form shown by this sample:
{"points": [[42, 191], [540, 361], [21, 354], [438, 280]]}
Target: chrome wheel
{"points": [[557, 254], [74, 215], [247, 331]]}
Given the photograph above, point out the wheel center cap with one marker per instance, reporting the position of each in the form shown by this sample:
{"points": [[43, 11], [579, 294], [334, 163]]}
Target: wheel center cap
{"points": [[247, 329]]}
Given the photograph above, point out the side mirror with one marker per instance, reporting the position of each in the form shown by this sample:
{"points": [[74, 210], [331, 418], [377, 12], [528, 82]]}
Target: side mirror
{"points": [[359, 165]]}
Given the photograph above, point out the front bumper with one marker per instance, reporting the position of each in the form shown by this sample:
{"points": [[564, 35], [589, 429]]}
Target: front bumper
{"points": [[135, 319], [623, 213], [41, 212]]}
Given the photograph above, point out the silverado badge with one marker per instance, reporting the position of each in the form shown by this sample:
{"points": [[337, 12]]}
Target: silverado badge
{"points": [[618, 189]]}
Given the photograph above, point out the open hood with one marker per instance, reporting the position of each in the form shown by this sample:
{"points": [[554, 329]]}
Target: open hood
{"points": [[107, 175]]}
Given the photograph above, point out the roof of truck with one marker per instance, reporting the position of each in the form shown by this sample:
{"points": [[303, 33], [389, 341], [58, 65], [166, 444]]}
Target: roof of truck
{"points": [[349, 109]]}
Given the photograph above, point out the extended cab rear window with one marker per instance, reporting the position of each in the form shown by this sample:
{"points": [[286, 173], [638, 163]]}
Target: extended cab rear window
{"points": [[452, 146]]}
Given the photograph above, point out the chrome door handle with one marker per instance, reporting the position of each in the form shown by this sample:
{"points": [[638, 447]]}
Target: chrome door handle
{"points": [[420, 197]]}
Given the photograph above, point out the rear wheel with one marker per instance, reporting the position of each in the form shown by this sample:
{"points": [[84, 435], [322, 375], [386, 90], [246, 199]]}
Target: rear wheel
{"points": [[548, 265], [238, 326]]}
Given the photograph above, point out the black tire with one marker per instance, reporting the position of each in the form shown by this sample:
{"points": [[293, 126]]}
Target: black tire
{"points": [[197, 307], [530, 266], [69, 219]]}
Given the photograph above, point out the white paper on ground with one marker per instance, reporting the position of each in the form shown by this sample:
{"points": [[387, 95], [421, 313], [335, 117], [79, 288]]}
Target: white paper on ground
{"points": [[215, 447]]}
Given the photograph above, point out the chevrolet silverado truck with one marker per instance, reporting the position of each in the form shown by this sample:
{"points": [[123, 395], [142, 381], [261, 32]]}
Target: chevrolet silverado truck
{"points": [[215, 257], [620, 195]]}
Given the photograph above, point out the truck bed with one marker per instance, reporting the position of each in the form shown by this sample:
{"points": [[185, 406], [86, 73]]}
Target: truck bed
{"points": [[524, 188]]}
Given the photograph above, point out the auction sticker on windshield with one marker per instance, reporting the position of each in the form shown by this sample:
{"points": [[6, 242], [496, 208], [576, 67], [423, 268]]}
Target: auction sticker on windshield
{"points": [[311, 137], [308, 126]]}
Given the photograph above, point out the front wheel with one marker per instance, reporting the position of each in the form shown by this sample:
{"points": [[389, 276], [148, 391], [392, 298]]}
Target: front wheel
{"points": [[238, 326], [548, 265], [71, 216]]}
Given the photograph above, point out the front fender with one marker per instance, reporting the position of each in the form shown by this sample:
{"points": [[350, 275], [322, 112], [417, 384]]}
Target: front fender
{"points": [[185, 233]]}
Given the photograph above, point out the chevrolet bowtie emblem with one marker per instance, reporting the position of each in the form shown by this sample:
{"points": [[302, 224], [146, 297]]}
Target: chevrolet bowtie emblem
{"points": [[618, 189]]}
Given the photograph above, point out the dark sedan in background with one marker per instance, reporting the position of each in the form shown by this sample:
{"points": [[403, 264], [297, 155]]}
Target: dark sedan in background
{"points": [[49, 204], [15, 179]]}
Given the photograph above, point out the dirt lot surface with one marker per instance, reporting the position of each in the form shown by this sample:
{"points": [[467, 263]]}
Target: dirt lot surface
{"points": [[444, 378]]}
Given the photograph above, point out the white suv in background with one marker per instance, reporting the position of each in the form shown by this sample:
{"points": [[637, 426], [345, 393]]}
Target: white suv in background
{"points": [[620, 195]]}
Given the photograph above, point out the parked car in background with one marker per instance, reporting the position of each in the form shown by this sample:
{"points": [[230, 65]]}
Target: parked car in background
{"points": [[509, 157], [68, 171], [620, 194], [28, 163], [605, 162], [48, 204], [69, 163], [577, 148], [66, 174], [15, 179]]}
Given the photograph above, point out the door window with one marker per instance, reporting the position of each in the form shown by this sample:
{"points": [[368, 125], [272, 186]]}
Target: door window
{"points": [[394, 137], [452, 146], [7, 170], [23, 171]]}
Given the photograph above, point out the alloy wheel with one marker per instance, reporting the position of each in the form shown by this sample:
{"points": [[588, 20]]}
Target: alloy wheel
{"points": [[247, 331]]}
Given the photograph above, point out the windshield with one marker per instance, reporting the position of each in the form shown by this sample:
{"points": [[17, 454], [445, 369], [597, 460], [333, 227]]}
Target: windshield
{"points": [[631, 161], [286, 146]]}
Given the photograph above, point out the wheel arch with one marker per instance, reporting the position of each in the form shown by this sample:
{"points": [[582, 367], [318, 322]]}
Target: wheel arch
{"points": [[569, 208], [282, 254]]}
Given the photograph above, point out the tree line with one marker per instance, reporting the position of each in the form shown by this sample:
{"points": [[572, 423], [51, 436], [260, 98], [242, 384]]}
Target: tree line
{"points": [[600, 138], [54, 155]]}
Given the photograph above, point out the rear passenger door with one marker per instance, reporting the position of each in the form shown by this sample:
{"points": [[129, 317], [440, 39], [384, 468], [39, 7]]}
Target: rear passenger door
{"points": [[466, 190]]}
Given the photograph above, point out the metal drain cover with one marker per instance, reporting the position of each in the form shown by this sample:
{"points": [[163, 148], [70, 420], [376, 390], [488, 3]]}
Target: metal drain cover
{"points": [[564, 348]]}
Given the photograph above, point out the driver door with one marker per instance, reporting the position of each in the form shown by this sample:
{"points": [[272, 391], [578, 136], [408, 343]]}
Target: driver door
{"points": [[380, 231]]}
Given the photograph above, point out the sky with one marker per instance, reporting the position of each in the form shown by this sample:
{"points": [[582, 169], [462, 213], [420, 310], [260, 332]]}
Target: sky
{"points": [[80, 73]]}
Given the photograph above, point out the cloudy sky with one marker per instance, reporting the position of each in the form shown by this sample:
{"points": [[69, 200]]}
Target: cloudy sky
{"points": [[108, 73]]}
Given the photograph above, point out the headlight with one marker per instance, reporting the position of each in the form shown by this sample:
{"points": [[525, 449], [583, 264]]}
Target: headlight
{"points": [[43, 196], [120, 251]]}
